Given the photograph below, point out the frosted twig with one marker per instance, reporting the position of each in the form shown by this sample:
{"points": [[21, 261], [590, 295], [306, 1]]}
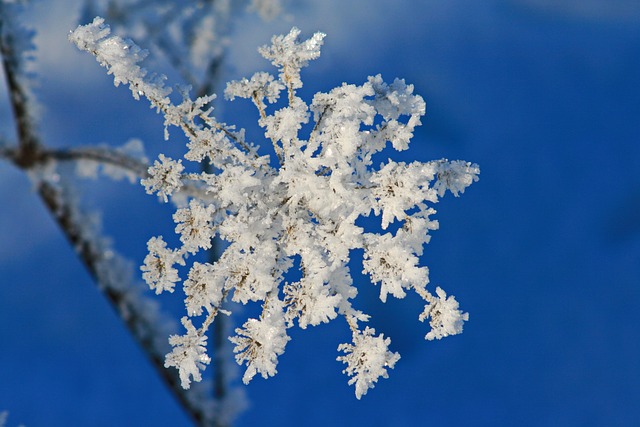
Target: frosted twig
{"points": [[103, 155]]}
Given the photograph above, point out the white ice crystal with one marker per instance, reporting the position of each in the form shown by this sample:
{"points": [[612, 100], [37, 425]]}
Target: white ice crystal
{"points": [[262, 85], [195, 226], [164, 177], [455, 176], [445, 316], [203, 288], [189, 354], [260, 341], [158, 269], [290, 55], [394, 265], [121, 58], [367, 359], [298, 215]]}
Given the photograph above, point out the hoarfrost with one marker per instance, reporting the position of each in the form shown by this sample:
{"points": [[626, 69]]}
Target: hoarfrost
{"points": [[298, 212]]}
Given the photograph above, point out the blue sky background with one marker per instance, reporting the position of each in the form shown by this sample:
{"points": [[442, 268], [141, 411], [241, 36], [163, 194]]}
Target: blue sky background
{"points": [[543, 251]]}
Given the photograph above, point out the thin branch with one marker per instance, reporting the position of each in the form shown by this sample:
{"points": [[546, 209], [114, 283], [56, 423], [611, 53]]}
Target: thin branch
{"points": [[263, 115], [243, 145], [25, 128], [29, 154], [102, 155], [108, 156], [314, 131]]}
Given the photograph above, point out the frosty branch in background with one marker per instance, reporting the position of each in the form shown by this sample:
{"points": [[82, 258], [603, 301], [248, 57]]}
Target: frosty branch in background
{"points": [[111, 271], [296, 213]]}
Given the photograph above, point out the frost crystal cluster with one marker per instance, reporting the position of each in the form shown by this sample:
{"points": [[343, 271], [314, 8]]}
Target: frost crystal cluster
{"points": [[299, 213]]}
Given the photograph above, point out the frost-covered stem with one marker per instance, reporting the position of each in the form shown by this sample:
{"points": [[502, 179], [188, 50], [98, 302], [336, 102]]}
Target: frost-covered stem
{"points": [[289, 82], [188, 128], [101, 155], [158, 32], [314, 131], [211, 317], [191, 131], [105, 156], [352, 322], [424, 294], [115, 13], [259, 105]]}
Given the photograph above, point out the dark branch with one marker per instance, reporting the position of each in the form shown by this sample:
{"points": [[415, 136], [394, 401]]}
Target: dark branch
{"points": [[28, 154], [25, 129], [102, 155]]}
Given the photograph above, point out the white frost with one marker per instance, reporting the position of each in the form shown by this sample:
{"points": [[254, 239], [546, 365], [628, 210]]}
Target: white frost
{"points": [[445, 316], [164, 177], [367, 359], [189, 354], [158, 269], [260, 341], [298, 211]]}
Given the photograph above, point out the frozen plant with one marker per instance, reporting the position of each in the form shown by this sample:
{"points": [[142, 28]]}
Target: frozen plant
{"points": [[298, 212]]}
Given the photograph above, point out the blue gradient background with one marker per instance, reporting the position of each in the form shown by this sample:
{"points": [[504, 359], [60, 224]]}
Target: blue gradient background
{"points": [[543, 251]]}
